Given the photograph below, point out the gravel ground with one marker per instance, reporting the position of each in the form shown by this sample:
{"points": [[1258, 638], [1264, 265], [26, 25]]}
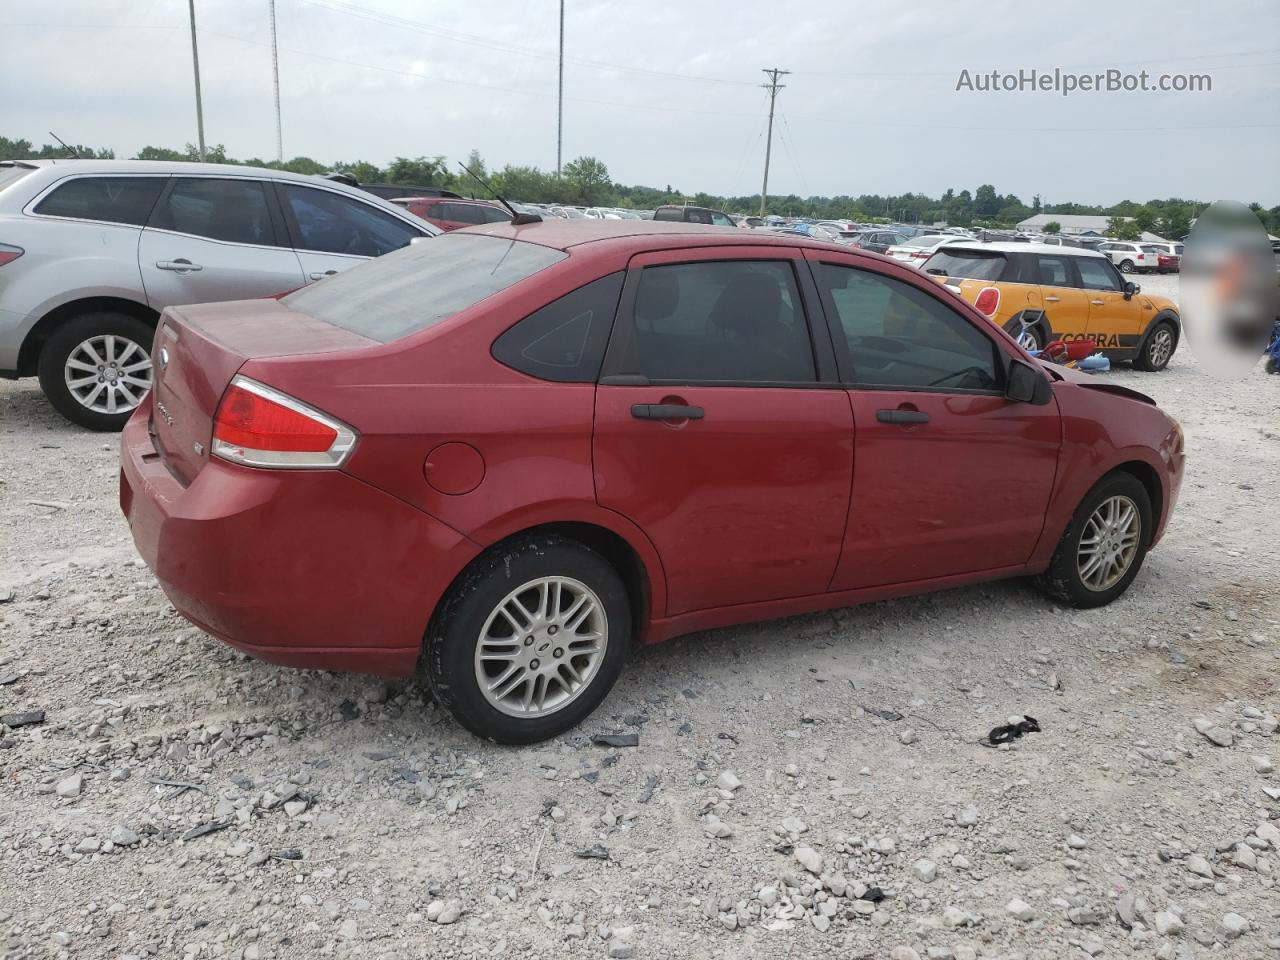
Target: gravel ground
{"points": [[801, 787]]}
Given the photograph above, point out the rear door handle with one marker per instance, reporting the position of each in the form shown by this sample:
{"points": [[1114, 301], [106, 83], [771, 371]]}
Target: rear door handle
{"points": [[178, 266], [902, 416], [320, 275], [665, 411], [1052, 299], [1098, 303]]}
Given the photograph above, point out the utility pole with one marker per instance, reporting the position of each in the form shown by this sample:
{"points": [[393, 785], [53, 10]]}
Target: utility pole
{"points": [[195, 63], [275, 79], [773, 87], [560, 95]]}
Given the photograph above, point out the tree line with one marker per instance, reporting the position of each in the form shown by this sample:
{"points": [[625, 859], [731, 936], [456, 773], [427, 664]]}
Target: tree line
{"points": [[586, 181]]}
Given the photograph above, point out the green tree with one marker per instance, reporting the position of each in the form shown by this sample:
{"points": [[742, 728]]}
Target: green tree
{"points": [[1175, 224], [1122, 228], [159, 153], [986, 202], [589, 179], [1145, 219], [420, 171], [1053, 228], [362, 170]]}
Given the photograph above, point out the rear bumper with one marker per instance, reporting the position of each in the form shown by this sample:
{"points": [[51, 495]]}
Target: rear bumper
{"points": [[312, 569]]}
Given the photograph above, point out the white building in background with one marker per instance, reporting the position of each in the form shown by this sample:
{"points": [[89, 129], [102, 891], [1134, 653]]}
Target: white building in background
{"points": [[1078, 225]]}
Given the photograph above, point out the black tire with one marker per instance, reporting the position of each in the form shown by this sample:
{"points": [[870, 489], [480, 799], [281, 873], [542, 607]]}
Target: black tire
{"points": [[1126, 266], [452, 638], [1062, 580], [1151, 355], [1272, 365], [59, 347]]}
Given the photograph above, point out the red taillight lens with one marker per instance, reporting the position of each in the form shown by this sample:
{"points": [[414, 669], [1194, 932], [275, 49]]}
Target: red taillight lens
{"points": [[259, 426], [988, 301], [8, 253]]}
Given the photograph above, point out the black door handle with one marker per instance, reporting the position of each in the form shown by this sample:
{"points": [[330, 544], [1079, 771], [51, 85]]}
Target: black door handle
{"points": [[902, 416], [665, 411]]}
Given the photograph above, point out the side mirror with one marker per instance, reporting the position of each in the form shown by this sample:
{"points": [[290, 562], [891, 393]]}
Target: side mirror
{"points": [[1026, 384], [1130, 288]]}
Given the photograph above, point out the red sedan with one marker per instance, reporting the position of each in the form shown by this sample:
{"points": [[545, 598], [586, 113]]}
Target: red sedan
{"points": [[452, 214], [508, 455]]}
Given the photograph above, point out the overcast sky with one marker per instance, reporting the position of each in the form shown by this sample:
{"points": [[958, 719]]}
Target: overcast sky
{"points": [[667, 92]]}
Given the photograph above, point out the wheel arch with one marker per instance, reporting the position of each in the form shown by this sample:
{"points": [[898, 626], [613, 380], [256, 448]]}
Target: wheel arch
{"points": [[629, 553], [1145, 474], [38, 335], [1032, 317]]}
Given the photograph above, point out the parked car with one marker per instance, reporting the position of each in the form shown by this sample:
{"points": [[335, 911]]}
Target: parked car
{"points": [[601, 213], [815, 231], [688, 213], [918, 249], [95, 249], [568, 213], [1056, 241], [1129, 257], [876, 241], [513, 454], [448, 214], [752, 222], [390, 191], [1038, 294], [1168, 256]]}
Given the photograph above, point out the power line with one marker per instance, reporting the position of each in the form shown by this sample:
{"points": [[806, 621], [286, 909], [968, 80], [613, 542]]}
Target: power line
{"points": [[773, 87]]}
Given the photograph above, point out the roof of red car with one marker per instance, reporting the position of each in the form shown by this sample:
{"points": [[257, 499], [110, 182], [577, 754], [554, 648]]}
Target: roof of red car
{"points": [[642, 234]]}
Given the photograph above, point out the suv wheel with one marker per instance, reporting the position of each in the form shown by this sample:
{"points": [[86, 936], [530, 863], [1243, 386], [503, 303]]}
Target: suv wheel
{"points": [[96, 368], [1126, 266], [530, 640], [1104, 545], [1157, 349]]}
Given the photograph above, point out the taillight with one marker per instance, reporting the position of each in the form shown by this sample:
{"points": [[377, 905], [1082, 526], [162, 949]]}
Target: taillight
{"points": [[262, 427], [988, 301], [8, 254]]}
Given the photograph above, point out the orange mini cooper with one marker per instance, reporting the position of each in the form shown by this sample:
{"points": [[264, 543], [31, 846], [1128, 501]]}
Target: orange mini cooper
{"points": [[1040, 293]]}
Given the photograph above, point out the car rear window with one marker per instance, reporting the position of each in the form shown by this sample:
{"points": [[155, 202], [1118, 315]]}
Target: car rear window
{"points": [[420, 285], [967, 264], [108, 199]]}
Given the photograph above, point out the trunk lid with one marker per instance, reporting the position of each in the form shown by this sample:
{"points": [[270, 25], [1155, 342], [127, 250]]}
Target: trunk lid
{"points": [[199, 348]]}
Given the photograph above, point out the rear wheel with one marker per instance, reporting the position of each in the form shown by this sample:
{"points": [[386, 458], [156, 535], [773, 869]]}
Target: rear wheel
{"points": [[530, 640], [1127, 266], [1104, 545], [96, 368], [1157, 349]]}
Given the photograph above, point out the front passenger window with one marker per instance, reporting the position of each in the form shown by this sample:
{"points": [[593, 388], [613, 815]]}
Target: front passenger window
{"points": [[896, 335], [1097, 274]]}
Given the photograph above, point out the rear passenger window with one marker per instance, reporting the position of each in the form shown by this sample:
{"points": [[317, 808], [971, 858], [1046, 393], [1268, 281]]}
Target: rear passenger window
{"points": [[736, 321], [898, 336], [108, 199], [565, 340], [234, 211]]}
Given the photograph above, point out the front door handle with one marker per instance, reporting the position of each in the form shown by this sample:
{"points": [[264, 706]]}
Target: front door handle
{"points": [[902, 416], [181, 265], [1098, 303], [666, 411], [1052, 299], [320, 275]]}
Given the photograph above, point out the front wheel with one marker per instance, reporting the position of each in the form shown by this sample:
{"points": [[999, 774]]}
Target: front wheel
{"points": [[96, 368], [1157, 349], [530, 640], [1104, 545], [1127, 266]]}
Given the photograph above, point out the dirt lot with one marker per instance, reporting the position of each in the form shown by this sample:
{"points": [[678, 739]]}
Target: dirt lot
{"points": [[348, 817]]}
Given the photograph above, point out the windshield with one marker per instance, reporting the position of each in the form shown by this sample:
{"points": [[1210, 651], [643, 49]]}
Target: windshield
{"points": [[967, 264], [421, 284]]}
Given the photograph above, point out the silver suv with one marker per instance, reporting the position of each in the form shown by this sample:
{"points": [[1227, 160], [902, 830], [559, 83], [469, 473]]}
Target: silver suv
{"points": [[92, 250]]}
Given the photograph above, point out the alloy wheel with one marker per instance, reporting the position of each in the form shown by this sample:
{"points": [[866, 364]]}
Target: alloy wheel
{"points": [[1161, 348], [108, 373], [541, 647], [1028, 340], [1109, 543]]}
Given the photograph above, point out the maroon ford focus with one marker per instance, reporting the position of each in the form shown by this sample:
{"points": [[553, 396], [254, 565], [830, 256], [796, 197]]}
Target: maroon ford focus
{"points": [[508, 455]]}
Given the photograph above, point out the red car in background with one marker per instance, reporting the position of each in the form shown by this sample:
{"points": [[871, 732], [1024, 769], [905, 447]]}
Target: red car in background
{"points": [[509, 455], [451, 214]]}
